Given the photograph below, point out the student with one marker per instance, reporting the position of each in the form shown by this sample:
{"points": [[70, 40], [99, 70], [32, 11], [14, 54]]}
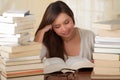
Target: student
{"points": [[59, 36]]}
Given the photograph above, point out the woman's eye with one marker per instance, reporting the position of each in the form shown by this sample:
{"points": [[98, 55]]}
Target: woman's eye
{"points": [[66, 22], [56, 26]]}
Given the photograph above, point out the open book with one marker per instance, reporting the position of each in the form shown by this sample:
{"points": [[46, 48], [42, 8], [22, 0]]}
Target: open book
{"points": [[72, 64]]}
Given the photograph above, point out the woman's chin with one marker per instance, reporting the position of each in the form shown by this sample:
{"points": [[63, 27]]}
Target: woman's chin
{"points": [[65, 36]]}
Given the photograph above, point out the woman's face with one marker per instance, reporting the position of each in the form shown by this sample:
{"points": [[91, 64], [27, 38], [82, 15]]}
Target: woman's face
{"points": [[63, 25]]}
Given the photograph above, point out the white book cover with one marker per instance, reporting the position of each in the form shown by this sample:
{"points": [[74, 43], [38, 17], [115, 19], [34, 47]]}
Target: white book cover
{"points": [[21, 47], [8, 43], [16, 30], [17, 19], [10, 35], [13, 35], [108, 25], [106, 39], [109, 22], [17, 24], [21, 67], [20, 54], [107, 45], [107, 71], [107, 50], [15, 39], [21, 59], [9, 39], [20, 62], [110, 57], [16, 13]]}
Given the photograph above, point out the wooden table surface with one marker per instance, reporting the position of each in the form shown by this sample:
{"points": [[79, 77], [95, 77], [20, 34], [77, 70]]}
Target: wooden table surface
{"points": [[83, 74]]}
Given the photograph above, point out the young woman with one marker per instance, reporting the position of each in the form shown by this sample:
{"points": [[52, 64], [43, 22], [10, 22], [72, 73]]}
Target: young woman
{"points": [[59, 36]]}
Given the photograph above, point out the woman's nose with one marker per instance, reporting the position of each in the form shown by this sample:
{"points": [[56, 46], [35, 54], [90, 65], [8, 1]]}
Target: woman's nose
{"points": [[63, 29]]}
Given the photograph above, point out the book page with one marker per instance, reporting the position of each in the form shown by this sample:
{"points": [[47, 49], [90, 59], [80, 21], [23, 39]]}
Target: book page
{"points": [[57, 64], [77, 63], [53, 65]]}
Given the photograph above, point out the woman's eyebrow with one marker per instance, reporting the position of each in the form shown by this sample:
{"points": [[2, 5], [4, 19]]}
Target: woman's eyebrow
{"points": [[67, 19]]}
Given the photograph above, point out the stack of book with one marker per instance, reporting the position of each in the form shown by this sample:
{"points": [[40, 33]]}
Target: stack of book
{"points": [[15, 28], [19, 56], [107, 51]]}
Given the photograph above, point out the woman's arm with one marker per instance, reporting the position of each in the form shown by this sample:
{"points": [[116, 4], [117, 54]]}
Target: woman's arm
{"points": [[39, 38], [40, 34]]}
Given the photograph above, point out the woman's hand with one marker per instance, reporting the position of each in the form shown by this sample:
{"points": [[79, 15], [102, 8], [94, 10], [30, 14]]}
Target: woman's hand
{"points": [[40, 34], [92, 61], [47, 28]]}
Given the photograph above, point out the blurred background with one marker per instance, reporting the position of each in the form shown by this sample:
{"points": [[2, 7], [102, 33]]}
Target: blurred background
{"points": [[86, 11]]}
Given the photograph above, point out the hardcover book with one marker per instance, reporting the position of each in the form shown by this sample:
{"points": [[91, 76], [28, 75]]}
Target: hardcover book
{"points": [[17, 19], [107, 44], [21, 47], [109, 33], [6, 68], [20, 61], [20, 54], [17, 24], [107, 39], [16, 30], [107, 50], [16, 13], [108, 25], [16, 39], [106, 63], [36, 77], [107, 70], [23, 73], [102, 56], [104, 77]]}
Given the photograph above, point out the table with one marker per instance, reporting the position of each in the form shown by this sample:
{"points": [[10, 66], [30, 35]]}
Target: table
{"points": [[82, 74]]}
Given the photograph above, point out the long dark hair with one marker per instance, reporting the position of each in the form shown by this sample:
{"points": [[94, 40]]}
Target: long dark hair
{"points": [[51, 40]]}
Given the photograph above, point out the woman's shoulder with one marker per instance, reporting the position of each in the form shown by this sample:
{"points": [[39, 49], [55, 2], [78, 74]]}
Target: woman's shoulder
{"points": [[86, 32]]}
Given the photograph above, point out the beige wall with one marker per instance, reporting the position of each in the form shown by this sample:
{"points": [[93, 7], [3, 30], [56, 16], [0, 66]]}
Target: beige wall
{"points": [[86, 11]]}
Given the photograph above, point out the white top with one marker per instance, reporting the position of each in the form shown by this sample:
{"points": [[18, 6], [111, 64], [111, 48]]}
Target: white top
{"points": [[87, 44]]}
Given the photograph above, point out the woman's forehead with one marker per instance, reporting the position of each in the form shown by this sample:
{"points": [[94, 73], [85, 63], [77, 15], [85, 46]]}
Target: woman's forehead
{"points": [[61, 18]]}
